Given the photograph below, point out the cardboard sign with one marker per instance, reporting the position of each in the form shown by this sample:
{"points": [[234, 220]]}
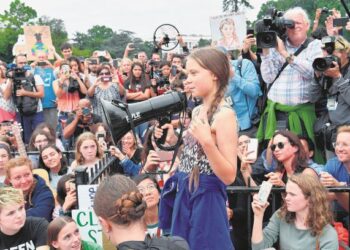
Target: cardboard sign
{"points": [[86, 195], [37, 38], [228, 30], [89, 228]]}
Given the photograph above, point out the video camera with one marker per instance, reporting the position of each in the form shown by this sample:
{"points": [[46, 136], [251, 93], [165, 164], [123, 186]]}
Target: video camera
{"points": [[18, 75], [271, 26]]}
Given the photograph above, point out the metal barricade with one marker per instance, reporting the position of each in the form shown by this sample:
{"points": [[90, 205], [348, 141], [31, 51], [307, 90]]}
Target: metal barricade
{"points": [[232, 190]]}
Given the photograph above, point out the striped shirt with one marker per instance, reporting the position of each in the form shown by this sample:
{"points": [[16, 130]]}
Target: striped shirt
{"points": [[292, 86]]}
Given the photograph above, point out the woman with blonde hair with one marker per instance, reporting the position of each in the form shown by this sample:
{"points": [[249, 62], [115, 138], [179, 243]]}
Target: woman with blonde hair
{"points": [[303, 222], [16, 230], [87, 151]]}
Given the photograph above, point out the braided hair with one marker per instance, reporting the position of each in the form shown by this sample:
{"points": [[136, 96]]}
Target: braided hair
{"points": [[217, 63], [118, 200]]}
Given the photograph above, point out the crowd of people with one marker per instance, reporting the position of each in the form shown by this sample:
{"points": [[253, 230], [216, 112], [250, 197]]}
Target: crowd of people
{"points": [[52, 122]]}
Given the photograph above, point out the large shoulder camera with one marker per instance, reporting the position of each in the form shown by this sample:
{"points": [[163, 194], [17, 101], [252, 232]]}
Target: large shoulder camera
{"points": [[271, 26], [18, 75]]}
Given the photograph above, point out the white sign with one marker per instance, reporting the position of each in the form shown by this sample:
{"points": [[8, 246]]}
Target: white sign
{"points": [[228, 30], [86, 195], [90, 229]]}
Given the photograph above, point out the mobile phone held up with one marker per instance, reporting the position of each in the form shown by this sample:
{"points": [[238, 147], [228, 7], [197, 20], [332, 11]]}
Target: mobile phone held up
{"points": [[252, 149], [340, 22], [264, 191], [165, 155], [250, 32]]}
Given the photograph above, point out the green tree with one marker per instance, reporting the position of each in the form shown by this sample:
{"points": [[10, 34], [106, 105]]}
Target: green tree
{"points": [[18, 16], [94, 38], [11, 23], [203, 42], [59, 34], [235, 5]]}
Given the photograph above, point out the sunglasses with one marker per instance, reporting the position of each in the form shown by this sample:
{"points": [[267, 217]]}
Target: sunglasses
{"points": [[280, 145], [105, 74]]}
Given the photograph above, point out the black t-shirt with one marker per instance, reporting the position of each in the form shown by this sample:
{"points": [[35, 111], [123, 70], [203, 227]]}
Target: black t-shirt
{"points": [[81, 128], [31, 236]]}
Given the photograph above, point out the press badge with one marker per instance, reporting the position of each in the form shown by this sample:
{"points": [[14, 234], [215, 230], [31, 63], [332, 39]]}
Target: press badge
{"points": [[332, 103]]}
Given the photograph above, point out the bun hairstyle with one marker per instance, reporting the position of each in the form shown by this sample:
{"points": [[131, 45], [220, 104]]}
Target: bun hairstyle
{"points": [[118, 200]]}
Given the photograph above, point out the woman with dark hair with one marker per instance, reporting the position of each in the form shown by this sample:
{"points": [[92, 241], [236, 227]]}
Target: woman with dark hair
{"points": [[103, 135], [38, 140], [104, 88], [63, 234], [52, 160], [290, 155], [120, 209], [149, 188], [303, 222], [46, 127], [137, 85], [66, 196]]}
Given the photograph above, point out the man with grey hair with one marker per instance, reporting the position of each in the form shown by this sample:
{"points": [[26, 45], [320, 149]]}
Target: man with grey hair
{"points": [[288, 99]]}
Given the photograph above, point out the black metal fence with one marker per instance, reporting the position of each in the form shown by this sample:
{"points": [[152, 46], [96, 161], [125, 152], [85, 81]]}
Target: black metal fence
{"points": [[233, 190]]}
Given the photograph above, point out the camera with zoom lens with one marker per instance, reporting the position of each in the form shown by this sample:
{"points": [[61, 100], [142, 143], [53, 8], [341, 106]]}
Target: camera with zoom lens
{"points": [[271, 26], [323, 63], [18, 76], [73, 85], [326, 11], [86, 111]]}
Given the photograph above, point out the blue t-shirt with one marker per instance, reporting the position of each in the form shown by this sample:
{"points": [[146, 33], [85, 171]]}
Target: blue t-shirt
{"points": [[48, 76], [338, 170]]}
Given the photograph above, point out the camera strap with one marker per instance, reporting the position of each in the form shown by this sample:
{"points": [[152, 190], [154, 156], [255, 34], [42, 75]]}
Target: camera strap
{"points": [[299, 50]]}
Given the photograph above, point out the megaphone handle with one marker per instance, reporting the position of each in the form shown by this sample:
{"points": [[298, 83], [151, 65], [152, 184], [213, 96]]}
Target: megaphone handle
{"points": [[163, 121]]}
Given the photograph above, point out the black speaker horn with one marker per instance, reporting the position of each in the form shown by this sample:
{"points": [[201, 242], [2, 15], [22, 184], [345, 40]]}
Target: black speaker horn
{"points": [[118, 114]]}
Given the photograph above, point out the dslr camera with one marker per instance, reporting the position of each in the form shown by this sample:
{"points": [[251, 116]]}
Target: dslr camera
{"points": [[73, 85], [271, 26], [323, 63]]}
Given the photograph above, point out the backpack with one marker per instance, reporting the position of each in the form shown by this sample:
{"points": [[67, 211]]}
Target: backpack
{"points": [[27, 105]]}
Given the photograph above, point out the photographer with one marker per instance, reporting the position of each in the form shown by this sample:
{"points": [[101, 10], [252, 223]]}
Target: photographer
{"points": [[160, 82], [288, 99], [27, 89], [83, 120], [331, 82]]}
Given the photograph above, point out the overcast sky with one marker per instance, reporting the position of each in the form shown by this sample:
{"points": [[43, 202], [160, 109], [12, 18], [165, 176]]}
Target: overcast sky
{"points": [[139, 16]]}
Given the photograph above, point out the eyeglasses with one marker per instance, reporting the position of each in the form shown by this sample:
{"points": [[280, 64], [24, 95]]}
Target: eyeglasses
{"points": [[340, 145], [280, 145], [148, 188], [105, 74], [41, 141]]}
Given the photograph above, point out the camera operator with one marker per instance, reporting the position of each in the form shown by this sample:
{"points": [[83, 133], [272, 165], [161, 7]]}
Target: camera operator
{"points": [[288, 98], [160, 83], [331, 81], [83, 120], [27, 90], [44, 69]]}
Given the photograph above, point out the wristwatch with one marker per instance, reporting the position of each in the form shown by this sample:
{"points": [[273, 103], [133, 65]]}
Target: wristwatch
{"points": [[290, 58]]}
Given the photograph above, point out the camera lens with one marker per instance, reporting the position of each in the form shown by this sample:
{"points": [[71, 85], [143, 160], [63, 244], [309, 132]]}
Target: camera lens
{"points": [[322, 64]]}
